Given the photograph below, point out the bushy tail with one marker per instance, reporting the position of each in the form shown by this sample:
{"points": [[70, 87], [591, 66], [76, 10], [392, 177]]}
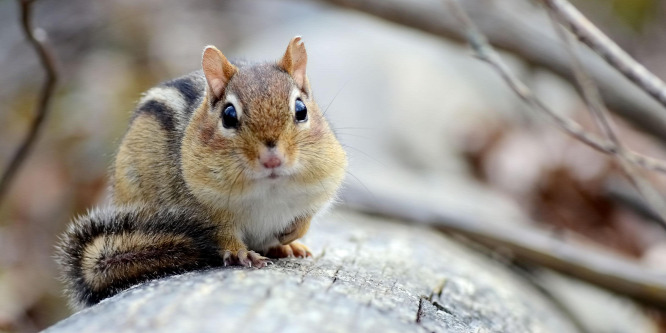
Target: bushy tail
{"points": [[111, 249]]}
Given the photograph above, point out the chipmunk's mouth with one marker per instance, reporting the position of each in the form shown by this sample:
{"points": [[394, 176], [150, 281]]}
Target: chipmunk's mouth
{"points": [[271, 175], [276, 174]]}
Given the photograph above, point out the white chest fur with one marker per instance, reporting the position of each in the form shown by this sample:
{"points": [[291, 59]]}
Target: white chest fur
{"points": [[270, 208]]}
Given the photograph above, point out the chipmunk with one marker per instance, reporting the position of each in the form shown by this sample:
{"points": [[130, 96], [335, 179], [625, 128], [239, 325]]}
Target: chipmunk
{"points": [[223, 166]]}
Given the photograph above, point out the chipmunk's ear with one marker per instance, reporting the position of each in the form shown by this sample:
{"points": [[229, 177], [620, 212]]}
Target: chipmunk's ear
{"points": [[218, 70], [294, 61]]}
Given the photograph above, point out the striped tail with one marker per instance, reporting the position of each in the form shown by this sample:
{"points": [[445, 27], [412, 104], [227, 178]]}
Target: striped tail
{"points": [[113, 248]]}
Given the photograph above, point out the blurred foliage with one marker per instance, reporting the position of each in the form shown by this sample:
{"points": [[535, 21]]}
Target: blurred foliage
{"points": [[635, 14]]}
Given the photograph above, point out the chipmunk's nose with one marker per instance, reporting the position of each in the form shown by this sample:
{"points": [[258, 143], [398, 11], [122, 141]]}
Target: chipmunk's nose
{"points": [[272, 162], [270, 157]]}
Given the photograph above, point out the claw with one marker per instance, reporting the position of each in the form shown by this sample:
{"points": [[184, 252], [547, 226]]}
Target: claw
{"points": [[244, 258], [227, 258], [258, 260]]}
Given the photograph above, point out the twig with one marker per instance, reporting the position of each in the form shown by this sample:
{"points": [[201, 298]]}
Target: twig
{"points": [[517, 27], [617, 275], [589, 34], [484, 51], [626, 195], [37, 39], [601, 115]]}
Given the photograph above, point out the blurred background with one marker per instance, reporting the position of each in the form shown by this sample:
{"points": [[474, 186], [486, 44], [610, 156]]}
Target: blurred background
{"points": [[417, 114]]}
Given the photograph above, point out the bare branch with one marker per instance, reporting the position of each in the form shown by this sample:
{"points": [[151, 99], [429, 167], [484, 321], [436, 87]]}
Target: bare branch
{"points": [[527, 244], [517, 26], [37, 38], [484, 51], [602, 116], [617, 275], [588, 88], [589, 34]]}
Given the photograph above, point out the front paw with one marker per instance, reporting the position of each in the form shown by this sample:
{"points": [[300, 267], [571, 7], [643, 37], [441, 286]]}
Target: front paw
{"points": [[290, 250], [244, 258], [296, 230]]}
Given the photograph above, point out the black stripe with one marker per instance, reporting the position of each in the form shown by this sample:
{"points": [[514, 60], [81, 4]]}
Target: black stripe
{"points": [[202, 249], [188, 89], [160, 111]]}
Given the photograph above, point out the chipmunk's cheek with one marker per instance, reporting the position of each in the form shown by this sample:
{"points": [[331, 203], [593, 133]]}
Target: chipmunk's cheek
{"points": [[290, 150], [207, 132]]}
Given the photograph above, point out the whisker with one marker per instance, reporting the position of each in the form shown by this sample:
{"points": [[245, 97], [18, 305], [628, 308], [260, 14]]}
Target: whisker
{"points": [[355, 128], [231, 188], [307, 167], [336, 96], [365, 154], [353, 135], [374, 198]]}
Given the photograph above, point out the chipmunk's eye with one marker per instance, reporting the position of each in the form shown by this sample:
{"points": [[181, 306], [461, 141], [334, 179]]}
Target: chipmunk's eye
{"points": [[301, 111], [229, 117]]}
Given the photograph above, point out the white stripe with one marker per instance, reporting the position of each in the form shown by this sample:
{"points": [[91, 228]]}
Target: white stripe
{"points": [[171, 97]]}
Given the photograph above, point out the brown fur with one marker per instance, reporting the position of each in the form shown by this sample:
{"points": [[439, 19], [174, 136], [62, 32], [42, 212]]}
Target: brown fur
{"points": [[294, 61], [141, 162], [296, 231], [212, 170], [113, 248], [189, 193], [218, 70], [136, 253]]}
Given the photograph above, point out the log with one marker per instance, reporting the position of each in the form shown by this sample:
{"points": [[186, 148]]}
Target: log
{"points": [[367, 274], [527, 244]]}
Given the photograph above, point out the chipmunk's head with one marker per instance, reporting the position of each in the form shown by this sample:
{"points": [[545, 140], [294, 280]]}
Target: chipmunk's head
{"points": [[259, 124]]}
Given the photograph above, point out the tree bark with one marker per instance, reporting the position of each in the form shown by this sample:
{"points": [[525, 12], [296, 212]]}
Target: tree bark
{"points": [[367, 275]]}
